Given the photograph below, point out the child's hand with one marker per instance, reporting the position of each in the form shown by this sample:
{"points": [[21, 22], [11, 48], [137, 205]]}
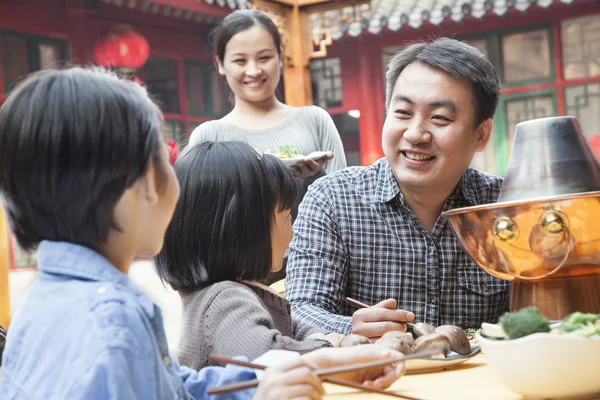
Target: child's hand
{"points": [[379, 377], [291, 380]]}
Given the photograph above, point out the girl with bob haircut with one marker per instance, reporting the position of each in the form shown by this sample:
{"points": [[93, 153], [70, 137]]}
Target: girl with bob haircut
{"points": [[85, 179], [231, 227]]}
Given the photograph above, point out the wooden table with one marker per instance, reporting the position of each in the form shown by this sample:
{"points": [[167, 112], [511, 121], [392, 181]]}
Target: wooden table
{"points": [[471, 380]]}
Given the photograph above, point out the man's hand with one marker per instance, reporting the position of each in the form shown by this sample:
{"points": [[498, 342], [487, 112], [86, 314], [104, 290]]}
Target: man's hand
{"points": [[309, 167], [291, 380], [379, 377], [374, 321]]}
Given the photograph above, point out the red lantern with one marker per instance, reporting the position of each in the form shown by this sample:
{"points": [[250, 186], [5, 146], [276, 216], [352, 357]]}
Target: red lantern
{"points": [[122, 48]]}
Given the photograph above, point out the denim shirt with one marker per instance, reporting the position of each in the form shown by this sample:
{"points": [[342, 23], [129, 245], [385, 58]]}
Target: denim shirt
{"points": [[85, 331]]}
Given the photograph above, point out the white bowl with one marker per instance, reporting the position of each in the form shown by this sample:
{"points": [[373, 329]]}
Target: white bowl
{"points": [[546, 365]]}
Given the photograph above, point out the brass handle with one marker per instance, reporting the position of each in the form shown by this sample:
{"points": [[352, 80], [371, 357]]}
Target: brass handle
{"points": [[553, 223], [506, 229]]}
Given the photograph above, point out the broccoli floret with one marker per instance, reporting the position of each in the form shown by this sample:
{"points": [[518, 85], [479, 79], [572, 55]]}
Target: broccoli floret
{"points": [[524, 322], [471, 332], [577, 321]]}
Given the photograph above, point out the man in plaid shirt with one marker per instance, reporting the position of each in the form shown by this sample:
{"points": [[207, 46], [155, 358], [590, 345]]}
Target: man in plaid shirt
{"points": [[375, 233]]}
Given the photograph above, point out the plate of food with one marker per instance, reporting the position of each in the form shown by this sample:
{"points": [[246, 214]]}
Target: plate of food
{"points": [[451, 344], [289, 155], [451, 360]]}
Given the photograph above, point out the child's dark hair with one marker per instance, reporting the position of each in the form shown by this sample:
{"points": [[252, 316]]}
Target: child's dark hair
{"points": [[221, 229], [71, 143], [237, 22]]}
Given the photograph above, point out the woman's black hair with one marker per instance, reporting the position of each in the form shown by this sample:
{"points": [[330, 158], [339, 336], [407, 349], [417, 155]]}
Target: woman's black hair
{"points": [[221, 229], [71, 142], [237, 22]]}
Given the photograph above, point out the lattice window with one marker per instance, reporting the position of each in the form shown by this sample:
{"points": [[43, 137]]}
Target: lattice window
{"points": [[347, 125], [581, 47], [526, 108], [583, 102], [207, 96], [22, 53], [326, 79], [479, 44], [161, 78], [526, 56]]}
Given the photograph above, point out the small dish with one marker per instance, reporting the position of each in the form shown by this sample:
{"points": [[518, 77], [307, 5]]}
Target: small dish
{"points": [[424, 365]]}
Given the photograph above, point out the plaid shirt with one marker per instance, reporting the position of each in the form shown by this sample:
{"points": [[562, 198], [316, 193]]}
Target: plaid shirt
{"points": [[355, 237], [2, 342]]}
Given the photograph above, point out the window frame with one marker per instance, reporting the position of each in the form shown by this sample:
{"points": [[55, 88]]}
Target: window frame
{"points": [[208, 92], [499, 65], [33, 55]]}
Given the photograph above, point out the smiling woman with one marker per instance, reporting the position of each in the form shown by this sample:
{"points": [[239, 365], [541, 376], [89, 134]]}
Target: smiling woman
{"points": [[247, 51]]}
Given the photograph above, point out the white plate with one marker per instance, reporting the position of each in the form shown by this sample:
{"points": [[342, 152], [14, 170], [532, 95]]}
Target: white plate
{"points": [[423, 365], [291, 161], [315, 155]]}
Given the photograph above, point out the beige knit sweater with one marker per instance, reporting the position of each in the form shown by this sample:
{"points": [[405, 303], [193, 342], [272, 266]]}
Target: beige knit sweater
{"points": [[236, 319]]}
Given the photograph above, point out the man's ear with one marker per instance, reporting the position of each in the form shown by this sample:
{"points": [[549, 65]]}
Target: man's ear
{"points": [[484, 132]]}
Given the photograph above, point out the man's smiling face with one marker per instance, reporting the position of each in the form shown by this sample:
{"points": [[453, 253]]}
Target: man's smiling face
{"points": [[429, 137]]}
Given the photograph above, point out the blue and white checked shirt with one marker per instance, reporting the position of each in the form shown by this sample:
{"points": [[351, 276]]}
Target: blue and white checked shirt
{"points": [[85, 331], [355, 237]]}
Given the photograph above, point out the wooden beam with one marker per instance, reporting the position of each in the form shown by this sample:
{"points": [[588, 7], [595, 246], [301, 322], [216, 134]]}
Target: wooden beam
{"points": [[199, 7], [303, 3], [298, 89], [287, 2], [322, 6], [4, 267]]}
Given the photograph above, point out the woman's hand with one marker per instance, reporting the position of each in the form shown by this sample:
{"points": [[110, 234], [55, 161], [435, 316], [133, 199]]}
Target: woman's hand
{"points": [[291, 380], [310, 167], [379, 377]]}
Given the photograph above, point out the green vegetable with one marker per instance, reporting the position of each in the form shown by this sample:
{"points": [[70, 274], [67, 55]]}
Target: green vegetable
{"points": [[286, 152], [585, 331], [579, 324], [524, 322], [471, 331], [577, 321]]}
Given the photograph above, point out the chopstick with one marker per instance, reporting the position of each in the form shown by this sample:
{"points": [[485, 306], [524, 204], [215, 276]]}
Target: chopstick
{"points": [[225, 360], [234, 387], [359, 304]]}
